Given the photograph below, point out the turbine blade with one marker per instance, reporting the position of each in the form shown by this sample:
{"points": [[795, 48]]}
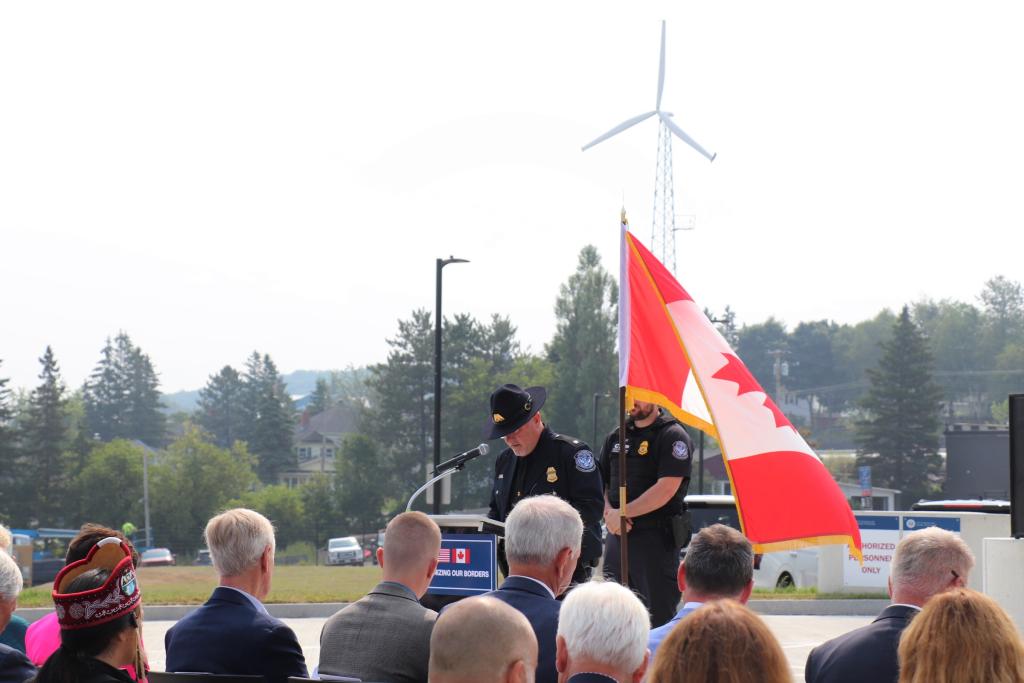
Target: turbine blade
{"points": [[619, 128], [661, 67], [684, 137]]}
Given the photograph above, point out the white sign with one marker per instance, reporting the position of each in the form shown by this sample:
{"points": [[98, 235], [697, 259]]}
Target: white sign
{"points": [[879, 536]]}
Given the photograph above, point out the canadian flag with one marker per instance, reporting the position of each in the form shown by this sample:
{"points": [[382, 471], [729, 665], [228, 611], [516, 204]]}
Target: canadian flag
{"points": [[461, 555], [671, 354]]}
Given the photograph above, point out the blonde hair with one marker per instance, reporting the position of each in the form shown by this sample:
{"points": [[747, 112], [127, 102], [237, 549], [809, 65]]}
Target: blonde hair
{"points": [[961, 636], [411, 542], [236, 539], [720, 642]]}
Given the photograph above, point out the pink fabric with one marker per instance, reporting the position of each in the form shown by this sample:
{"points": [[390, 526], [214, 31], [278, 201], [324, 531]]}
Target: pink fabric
{"points": [[43, 638]]}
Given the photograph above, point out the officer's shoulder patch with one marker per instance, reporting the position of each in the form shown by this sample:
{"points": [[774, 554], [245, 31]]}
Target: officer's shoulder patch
{"points": [[585, 461], [680, 451]]}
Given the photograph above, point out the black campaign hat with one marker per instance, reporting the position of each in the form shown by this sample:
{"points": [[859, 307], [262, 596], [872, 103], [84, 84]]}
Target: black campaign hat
{"points": [[511, 408]]}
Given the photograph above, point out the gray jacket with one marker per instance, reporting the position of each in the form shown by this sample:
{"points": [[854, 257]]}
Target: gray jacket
{"points": [[384, 636]]}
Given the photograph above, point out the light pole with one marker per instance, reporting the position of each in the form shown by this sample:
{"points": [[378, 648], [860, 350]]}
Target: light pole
{"points": [[441, 263]]}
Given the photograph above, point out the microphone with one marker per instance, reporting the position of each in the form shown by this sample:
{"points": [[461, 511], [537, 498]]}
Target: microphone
{"points": [[462, 458]]}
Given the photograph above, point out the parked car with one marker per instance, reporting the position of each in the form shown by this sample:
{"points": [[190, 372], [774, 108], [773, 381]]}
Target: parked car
{"points": [[156, 557], [345, 550], [203, 558], [783, 569]]}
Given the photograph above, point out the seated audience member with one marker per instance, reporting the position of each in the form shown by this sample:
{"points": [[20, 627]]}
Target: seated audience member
{"points": [[482, 640], [13, 635], [722, 642], [14, 665], [43, 636], [925, 563], [719, 564], [542, 543], [233, 633], [97, 642], [385, 636], [602, 635], [961, 636]]}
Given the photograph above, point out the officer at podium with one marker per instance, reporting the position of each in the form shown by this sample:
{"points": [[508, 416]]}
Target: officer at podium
{"points": [[539, 461]]}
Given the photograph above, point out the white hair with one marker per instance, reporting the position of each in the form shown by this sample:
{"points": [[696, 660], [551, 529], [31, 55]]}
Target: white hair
{"points": [[11, 582], [236, 539], [6, 540], [605, 622], [925, 560], [538, 528]]}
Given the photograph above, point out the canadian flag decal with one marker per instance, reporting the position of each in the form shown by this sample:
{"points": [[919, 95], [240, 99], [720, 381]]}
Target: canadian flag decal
{"points": [[461, 555]]}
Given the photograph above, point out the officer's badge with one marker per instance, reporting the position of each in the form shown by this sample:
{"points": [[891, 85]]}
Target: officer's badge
{"points": [[643, 448], [585, 461], [680, 451], [552, 475], [497, 418]]}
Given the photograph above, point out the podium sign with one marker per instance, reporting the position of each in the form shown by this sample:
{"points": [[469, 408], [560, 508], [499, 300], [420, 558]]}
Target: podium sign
{"points": [[466, 565]]}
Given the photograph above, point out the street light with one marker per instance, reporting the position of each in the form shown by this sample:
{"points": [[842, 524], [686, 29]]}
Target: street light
{"points": [[441, 263]]}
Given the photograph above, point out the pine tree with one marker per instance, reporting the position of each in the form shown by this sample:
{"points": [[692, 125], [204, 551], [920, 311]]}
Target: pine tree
{"points": [[44, 438], [220, 409], [122, 396], [899, 437], [583, 348], [321, 399], [8, 449], [268, 413]]}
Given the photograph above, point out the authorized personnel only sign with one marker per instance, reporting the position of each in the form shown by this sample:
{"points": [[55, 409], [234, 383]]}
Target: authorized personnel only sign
{"points": [[879, 536]]}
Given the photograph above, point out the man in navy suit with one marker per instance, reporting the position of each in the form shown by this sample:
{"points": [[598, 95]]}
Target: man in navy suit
{"points": [[542, 542], [925, 563], [14, 665], [233, 633], [719, 564], [602, 635]]}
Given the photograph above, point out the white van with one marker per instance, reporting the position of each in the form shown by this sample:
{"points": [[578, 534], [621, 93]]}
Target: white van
{"points": [[783, 569]]}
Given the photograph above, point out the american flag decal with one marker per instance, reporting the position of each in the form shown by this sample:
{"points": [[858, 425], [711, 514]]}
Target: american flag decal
{"points": [[444, 556]]}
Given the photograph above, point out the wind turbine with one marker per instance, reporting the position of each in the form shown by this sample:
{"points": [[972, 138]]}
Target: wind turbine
{"points": [[663, 229]]}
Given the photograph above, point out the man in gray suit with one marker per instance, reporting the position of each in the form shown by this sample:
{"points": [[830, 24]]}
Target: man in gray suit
{"points": [[385, 636]]}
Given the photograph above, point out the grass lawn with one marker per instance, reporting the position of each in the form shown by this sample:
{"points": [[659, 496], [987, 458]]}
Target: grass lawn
{"points": [[193, 585]]}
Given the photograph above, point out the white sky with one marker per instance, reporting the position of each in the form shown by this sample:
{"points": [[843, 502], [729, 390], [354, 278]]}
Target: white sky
{"points": [[218, 177]]}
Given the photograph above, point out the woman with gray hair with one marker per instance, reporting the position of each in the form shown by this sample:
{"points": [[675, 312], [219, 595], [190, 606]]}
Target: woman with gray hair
{"points": [[14, 665]]}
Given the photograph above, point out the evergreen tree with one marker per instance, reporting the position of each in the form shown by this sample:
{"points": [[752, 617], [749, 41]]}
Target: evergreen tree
{"points": [[812, 365], [220, 410], [583, 349], [899, 436], [268, 423], [400, 420], [8, 449], [122, 396], [44, 438], [321, 399]]}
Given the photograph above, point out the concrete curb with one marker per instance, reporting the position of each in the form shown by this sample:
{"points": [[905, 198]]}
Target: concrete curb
{"points": [[820, 608], [322, 610]]}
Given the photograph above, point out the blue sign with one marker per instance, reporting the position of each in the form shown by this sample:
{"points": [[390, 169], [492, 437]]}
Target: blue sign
{"points": [[917, 523], [864, 479], [467, 564], [888, 523]]}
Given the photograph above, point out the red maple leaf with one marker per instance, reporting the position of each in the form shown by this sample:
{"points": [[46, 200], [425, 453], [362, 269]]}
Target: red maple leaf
{"points": [[780, 418], [735, 371]]}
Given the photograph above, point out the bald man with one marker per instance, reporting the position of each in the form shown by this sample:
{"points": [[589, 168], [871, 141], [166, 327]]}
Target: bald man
{"points": [[385, 636], [482, 640]]}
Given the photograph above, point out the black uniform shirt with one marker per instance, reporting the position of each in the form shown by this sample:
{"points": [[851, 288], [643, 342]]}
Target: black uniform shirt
{"points": [[661, 449], [560, 465]]}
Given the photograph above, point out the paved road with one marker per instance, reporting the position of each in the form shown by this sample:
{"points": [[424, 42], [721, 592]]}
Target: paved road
{"points": [[798, 634]]}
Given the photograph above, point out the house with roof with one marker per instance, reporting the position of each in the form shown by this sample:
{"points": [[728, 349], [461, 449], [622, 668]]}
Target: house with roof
{"points": [[316, 441]]}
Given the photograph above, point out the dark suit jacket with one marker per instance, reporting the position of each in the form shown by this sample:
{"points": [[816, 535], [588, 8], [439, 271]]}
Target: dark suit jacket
{"points": [[384, 636], [865, 654], [14, 666], [541, 610], [228, 635], [590, 677]]}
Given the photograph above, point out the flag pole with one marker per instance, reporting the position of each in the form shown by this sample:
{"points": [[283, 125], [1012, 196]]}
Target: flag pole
{"points": [[623, 543]]}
